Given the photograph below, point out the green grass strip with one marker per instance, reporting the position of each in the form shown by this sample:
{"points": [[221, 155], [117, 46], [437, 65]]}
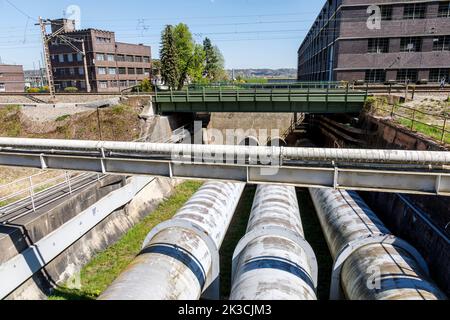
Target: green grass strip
{"points": [[98, 274]]}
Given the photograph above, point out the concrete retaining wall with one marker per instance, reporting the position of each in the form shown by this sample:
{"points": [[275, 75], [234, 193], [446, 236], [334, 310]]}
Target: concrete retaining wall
{"points": [[408, 223], [98, 239]]}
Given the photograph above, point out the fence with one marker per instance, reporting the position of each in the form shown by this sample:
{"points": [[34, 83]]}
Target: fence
{"points": [[412, 118]]}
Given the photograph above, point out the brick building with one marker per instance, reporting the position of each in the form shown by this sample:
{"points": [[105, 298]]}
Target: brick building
{"points": [[412, 42], [11, 78], [112, 66]]}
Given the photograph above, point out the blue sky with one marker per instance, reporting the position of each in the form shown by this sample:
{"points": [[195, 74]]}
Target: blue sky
{"points": [[250, 33]]}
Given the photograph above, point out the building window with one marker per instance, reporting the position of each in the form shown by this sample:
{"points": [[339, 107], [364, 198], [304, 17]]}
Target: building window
{"points": [[123, 83], [122, 70], [441, 43], [436, 75], [146, 59], [407, 75], [2, 87], [61, 58], [102, 71], [444, 10], [139, 71], [386, 13], [137, 59], [72, 71], [147, 72], [112, 71], [129, 58], [376, 76], [415, 11], [81, 71], [120, 57], [378, 45], [70, 57], [82, 84], [100, 57], [79, 57], [62, 72], [412, 44], [110, 57], [103, 40], [103, 84], [131, 71]]}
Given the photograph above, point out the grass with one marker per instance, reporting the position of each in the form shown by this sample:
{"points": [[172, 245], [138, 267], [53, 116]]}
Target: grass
{"points": [[98, 274], [236, 231], [429, 131], [119, 109], [315, 237], [10, 125], [63, 118]]}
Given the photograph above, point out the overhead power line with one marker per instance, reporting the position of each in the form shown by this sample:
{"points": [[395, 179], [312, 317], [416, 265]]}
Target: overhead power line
{"points": [[20, 10]]}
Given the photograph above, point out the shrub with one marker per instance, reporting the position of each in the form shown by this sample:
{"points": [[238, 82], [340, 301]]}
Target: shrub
{"points": [[44, 89], [33, 90], [62, 118], [144, 86], [71, 89]]}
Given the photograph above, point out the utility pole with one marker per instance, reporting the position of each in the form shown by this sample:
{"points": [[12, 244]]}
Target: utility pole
{"points": [[48, 63], [86, 74]]}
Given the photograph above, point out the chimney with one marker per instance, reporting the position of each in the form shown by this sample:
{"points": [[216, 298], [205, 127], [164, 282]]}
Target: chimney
{"points": [[69, 25]]}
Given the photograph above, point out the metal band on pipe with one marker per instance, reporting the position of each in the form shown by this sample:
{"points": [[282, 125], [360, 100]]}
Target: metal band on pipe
{"points": [[352, 247], [182, 255], [280, 232], [281, 264], [210, 282]]}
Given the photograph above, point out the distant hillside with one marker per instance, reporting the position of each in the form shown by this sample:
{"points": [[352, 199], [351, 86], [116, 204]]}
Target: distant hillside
{"points": [[265, 73]]}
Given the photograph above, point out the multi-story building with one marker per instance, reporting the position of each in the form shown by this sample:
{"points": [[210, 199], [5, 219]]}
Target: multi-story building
{"points": [[378, 41], [11, 78], [112, 66], [35, 78]]}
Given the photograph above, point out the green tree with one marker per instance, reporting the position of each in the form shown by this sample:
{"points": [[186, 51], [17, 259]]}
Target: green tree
{"points": [[211, 60], [197, 65], [215, 63], [185, 47], [169, 58]]}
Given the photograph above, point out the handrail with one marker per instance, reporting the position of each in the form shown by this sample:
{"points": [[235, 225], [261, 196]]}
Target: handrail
{"points": [[442, 129]]}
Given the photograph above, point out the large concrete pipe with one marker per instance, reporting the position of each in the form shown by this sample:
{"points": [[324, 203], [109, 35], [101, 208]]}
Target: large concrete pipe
{"points": [[371, 264], [438, 158], [177, 261], [273, 261]]}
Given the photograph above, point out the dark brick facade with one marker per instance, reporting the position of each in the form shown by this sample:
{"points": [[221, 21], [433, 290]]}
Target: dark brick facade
{"points": [[11, 78], [341, 46], [112, 66]]}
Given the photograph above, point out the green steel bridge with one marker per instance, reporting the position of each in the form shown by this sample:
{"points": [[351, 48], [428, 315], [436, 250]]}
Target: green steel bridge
{"points": [[274, 98]]}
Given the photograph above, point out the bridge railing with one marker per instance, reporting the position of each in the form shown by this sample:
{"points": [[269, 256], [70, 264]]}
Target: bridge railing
{"points": [[289, 85], [228, 94]]}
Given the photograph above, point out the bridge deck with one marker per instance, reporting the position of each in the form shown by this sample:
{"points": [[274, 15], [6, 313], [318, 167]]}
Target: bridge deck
{"points": [[324, 101]]}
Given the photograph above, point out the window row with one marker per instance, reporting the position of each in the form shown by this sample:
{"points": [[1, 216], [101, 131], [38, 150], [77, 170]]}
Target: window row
{"points": [[409, 44], [407, 75], [121, 57], [415, 11], [68, 57], [116, 84], [68, 71], [114, 71]]}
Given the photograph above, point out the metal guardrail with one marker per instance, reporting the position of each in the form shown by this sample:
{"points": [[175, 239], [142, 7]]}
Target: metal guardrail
{"points": [[261, 94], [40, 198], [442, 131], [38, 195]]}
